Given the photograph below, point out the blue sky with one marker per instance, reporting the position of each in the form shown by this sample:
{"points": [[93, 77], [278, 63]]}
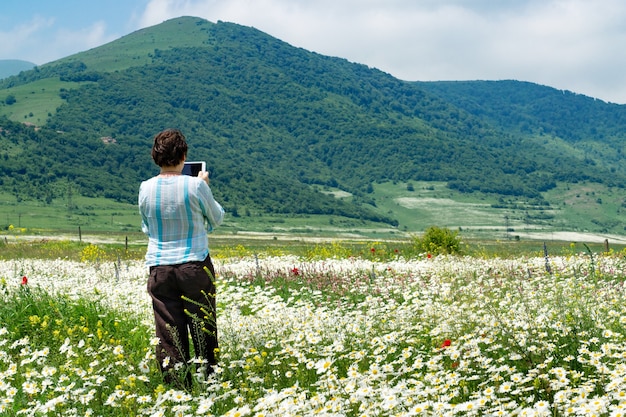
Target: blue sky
{"points": [[574, 45]]}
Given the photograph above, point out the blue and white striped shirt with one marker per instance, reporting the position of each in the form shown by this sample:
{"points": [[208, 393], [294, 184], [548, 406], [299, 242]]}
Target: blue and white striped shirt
{"points": [[177, 213]]}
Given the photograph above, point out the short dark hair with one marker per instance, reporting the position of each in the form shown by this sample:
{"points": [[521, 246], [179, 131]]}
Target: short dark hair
{"points": [[169, 148]]}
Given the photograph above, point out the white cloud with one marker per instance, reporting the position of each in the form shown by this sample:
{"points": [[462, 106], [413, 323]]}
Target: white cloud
{"points": [[158, 11], [16, 41], [565, 44], [87, 38], [41, 35]]}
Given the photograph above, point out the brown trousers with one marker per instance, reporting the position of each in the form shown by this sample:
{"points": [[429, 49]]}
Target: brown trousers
{"points": [[175, 318]]}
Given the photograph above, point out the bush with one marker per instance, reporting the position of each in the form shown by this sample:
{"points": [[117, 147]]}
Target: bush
{"points": [[437, 240]]}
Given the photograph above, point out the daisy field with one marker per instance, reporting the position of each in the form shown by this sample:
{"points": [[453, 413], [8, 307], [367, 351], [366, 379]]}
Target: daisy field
{"points": [[337, 336]]}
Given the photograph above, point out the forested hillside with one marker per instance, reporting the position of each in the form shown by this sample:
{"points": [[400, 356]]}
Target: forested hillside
{"points": [[584, 124], [271, 120]]}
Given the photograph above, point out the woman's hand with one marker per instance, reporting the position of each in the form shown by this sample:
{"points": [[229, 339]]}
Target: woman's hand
{"points": [[204, 175]]}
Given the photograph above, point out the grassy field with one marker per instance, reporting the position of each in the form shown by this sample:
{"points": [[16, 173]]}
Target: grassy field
{"points": [[582, 208], [581, 214], [63, 216], [432, 203], [592, 207], [112, 247], [35, 102]]}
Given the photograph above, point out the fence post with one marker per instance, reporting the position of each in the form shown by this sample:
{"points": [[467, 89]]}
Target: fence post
{"points": [[545, 255]]}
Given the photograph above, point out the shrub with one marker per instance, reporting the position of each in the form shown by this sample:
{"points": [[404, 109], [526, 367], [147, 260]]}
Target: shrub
{"points": [[438, 240]]}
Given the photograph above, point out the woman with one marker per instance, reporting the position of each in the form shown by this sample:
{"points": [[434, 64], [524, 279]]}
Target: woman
{"points": [[177, 212]]}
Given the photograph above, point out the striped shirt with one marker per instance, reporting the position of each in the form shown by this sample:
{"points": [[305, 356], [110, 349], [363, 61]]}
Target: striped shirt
{"points": [[177, 213]]}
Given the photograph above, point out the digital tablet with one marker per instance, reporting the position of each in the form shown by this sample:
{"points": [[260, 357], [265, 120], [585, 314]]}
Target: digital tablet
{"points": [[192, 168]]}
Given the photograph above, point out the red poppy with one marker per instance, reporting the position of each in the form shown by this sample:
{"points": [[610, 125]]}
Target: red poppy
{"points": [[295, 271], [429, 256], [24, 280], [373, 250], [446, 343]]}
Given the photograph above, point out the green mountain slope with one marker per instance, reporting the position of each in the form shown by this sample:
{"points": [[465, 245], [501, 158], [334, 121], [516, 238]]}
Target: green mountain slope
{"points": [[275, 123], [583, 124], [137, 48]]}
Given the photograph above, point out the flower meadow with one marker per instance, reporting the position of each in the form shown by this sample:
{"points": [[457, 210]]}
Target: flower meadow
{"points": [[432, 336]]}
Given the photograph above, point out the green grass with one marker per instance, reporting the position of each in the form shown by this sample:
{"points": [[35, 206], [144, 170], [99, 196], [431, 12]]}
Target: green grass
{"points": [[36, 101], [590, 207], [99, 215], [58, 324], [581, 208], [431, 203], [111, 247], [95, 214]]}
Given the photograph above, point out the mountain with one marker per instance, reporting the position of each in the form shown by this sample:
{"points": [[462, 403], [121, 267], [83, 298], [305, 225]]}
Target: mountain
{"points": [[582, 123], [10, 67], [277, 124]]}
